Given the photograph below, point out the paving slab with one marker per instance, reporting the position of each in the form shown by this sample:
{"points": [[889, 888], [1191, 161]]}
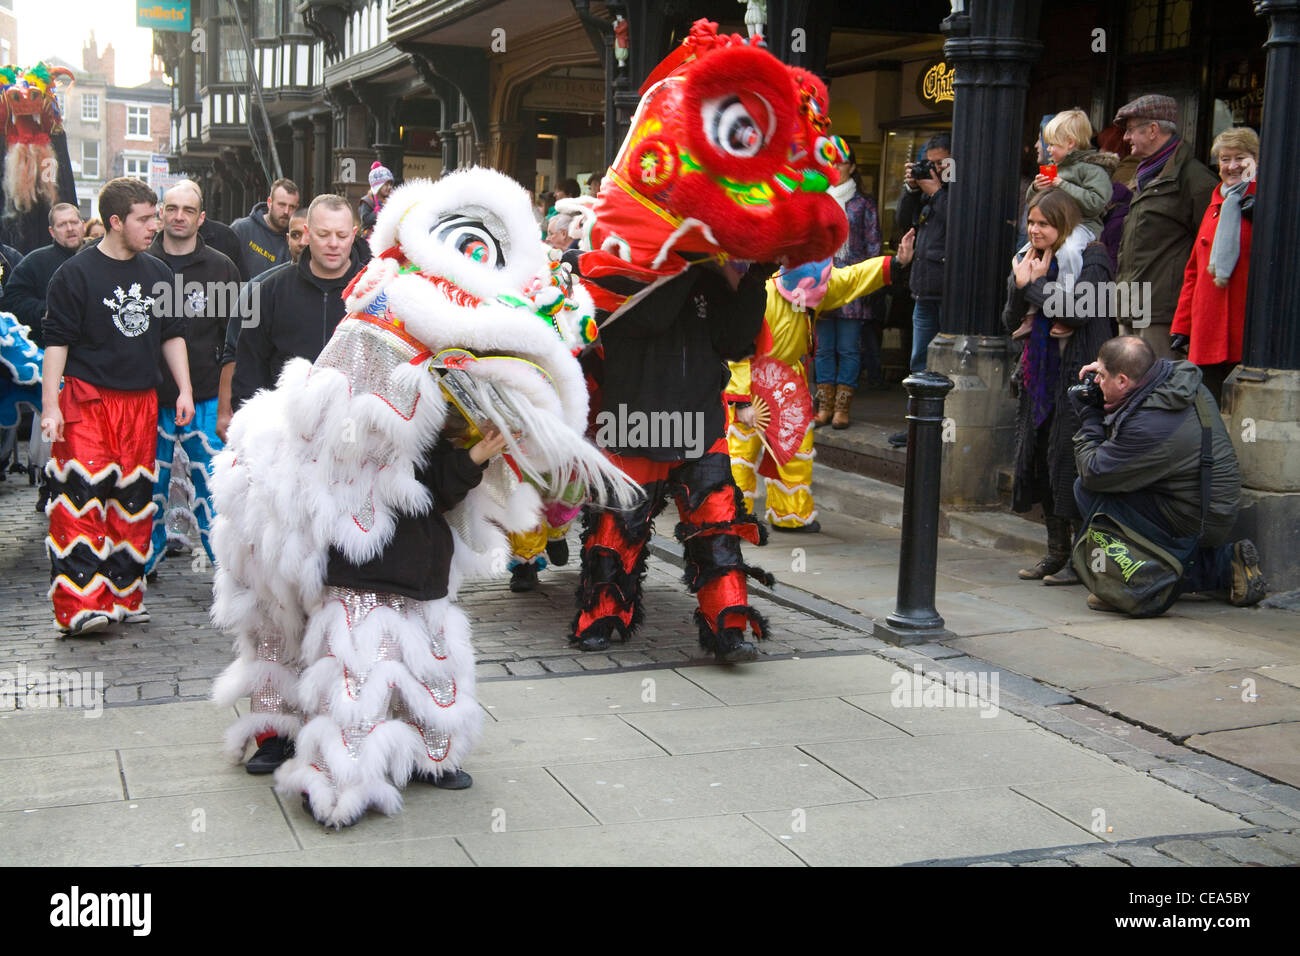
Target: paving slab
{"points": [[1057, 604], [59, 781], [708, 841], [916, 765], [34, 733], [965, 614], [745, 726], [1129, 806], [1284, 673], [795, 679], [437, 851], [549, 741], [1060, 660], [160, 830], [524, 799], [967, 823], [960, 714], [1273, 750], [182, 768], [695, 785], [1198, 703], [1183, 643], [589, 696]]}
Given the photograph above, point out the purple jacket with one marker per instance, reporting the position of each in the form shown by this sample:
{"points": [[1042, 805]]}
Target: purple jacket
{"points": [[1112, 220], [863, 243]]}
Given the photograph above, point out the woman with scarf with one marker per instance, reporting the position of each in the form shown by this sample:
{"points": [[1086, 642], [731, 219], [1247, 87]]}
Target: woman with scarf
{"points": [[1210, 320], [841, 339], [1061, 260]]}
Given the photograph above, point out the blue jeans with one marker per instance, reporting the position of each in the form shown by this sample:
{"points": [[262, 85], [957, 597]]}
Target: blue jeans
{"points": [[925, 325], [839, 352], [1210, 569]]}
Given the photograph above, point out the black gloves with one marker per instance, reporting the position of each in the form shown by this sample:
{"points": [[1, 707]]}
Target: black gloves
{"points": [[1179, 343]]}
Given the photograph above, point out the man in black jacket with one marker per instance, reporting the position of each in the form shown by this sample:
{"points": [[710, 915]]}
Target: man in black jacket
{"points": [[297, 307], [663, 422], [206, 290], [1142, 446], [24, 293], [261, 232]]}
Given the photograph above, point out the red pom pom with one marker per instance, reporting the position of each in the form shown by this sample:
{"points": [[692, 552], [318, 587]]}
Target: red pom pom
{"points": [[376, 164]]}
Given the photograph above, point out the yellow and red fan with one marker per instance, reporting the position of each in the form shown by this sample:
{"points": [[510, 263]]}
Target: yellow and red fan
{"points": [[783, 410]]}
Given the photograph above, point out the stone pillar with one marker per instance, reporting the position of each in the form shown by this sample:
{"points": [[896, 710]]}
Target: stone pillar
{"points": [[1261, 399], [992, 48]]}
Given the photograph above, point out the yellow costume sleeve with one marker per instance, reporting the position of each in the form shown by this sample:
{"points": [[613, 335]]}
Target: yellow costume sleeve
{"points": [[739, 384], [852, 282]]}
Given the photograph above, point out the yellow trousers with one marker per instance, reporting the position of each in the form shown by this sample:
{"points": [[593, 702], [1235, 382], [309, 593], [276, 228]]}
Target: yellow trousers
{"points": [[526, 546], [789, 498]]}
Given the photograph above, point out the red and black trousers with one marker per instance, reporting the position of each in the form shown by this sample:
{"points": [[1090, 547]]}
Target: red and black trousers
{"points": [[101, 500], [713, 524]]}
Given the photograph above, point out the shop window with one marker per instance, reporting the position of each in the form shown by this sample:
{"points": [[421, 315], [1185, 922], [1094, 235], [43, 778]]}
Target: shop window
{"points": [[1156, 25], [232, 65]]}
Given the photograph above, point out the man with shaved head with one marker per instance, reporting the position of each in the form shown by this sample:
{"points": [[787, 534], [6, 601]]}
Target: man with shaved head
{"points": [[1138, 450], [205, 290]]}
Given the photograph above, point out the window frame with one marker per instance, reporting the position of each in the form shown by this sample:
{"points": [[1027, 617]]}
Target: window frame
{"points": [[146, 135], [98, 159], [87, 99]]}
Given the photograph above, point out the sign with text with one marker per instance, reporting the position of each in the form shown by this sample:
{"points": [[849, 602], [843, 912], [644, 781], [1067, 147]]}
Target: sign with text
{"points": [[934, 87], [163, 15]]}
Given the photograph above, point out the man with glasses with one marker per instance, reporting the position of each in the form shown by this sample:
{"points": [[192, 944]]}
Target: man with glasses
{"points": [[1170, 194]]}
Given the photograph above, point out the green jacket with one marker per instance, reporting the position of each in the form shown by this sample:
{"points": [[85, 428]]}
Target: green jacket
{"points": [[1160, 228], [1084, 175]]}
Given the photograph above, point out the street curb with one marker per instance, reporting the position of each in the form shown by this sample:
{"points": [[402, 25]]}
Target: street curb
{"points": [[872, 500]]}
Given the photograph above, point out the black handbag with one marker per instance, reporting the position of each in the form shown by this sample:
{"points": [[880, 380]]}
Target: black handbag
{"points": [[1131, 563]]}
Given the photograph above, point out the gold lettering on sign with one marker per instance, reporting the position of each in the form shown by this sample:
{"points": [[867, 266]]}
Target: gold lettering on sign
{"points": [[937, 85]]}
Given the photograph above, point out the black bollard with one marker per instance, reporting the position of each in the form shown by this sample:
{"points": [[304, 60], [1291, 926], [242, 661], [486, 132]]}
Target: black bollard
{"points": [[915, 619]]}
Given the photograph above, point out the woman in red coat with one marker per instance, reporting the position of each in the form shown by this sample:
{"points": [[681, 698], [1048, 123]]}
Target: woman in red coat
{"points": [[1208, 325]]}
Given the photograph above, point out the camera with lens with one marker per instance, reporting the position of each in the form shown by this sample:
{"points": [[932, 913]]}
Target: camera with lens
{"points": [[924, 169], [1088, 392]]}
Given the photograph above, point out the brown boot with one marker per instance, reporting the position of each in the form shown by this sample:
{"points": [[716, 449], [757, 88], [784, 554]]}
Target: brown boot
{"points": [[825, 404], [843, 398]]}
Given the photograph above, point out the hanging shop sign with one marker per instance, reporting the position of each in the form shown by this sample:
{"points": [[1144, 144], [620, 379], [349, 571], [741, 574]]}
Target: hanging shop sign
{"points": [[163, 15], [934, 87]]}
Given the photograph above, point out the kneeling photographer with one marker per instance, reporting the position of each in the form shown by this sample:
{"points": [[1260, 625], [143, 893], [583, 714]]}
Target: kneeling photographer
{"points": [[1158, 484]]}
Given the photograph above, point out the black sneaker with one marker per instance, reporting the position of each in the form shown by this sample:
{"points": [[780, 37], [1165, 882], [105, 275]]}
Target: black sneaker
{"points": [[732, 648], [86, 624], [523, 577], [272, 753], [453, 780], [898, 439], [557, 552], [1248, 584]]}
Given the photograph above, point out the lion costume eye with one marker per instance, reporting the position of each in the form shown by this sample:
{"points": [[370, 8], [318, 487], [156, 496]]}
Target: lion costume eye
{"points": [[471, 238], [738, 124]]}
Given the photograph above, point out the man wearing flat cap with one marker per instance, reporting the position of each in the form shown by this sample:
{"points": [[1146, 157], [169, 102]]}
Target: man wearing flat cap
{"points": [[1170, 194]]}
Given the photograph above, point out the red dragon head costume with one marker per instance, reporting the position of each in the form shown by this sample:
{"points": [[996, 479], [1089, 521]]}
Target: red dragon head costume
{"points": [[29, 114], [729, 154]]}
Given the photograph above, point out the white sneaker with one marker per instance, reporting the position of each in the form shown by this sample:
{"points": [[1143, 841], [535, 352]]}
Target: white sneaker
{"points": [[85, 623]]}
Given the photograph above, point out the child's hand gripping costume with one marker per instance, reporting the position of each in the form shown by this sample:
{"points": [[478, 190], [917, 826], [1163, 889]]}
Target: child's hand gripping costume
{"points": [[324, 472]]}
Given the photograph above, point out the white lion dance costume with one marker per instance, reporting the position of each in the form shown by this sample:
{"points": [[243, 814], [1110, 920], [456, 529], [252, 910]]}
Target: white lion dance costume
{"points": [[377, 686]]}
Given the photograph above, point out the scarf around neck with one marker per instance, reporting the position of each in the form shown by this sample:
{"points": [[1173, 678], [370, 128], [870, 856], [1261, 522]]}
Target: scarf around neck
{"points": [[1227, 234], [843, 192], [1148, 167]]}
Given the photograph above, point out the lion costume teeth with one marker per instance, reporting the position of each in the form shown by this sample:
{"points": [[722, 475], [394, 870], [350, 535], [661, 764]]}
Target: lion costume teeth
{"points": [[377, 687]]}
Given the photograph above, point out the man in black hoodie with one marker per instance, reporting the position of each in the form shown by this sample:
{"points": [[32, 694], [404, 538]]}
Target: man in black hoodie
{"points": [[206, 291], [297, 307], [261, 233], [24, 293]]}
